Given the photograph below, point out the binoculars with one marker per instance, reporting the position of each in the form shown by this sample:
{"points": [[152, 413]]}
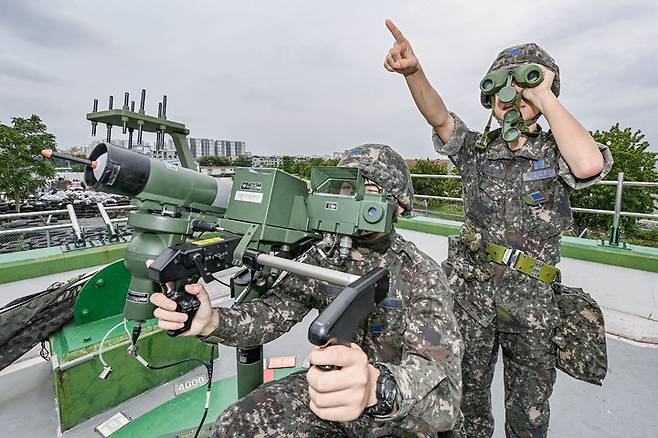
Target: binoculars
{"points": [[500, 81]]}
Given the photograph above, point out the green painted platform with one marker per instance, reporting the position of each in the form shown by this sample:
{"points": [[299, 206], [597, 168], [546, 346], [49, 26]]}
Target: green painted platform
{"points": [[39, 262], [184, 412]]}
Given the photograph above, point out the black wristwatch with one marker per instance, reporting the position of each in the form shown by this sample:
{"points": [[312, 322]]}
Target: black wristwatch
{"points": [[387, 393]]}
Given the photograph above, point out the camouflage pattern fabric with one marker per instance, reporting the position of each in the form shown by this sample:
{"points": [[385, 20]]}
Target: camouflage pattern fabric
{"points": [[467, 255], [529, 375], [383, 165], [580, 336], [29, 320], [518, 199], [280, 409], [496, 186], [413, 333], [515, 56]]}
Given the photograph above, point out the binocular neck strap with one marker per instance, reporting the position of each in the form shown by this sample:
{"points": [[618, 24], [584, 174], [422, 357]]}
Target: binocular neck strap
{"points": [[483, 141], [523, 125]]}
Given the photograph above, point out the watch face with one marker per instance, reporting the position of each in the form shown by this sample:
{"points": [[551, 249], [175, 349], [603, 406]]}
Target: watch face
{"points": [[389, 387]]}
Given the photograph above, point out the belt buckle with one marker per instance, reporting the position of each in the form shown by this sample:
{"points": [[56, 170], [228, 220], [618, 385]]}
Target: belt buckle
{"points": [[510, 257], [536, 268]]}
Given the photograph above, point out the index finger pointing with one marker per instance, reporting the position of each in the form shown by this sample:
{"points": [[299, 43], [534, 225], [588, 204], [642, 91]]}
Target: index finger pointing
{"points": [[395, 31]]}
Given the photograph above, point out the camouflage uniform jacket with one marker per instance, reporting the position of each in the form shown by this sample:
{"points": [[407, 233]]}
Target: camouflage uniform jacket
{"points": [[495, 181], [413, 332]]}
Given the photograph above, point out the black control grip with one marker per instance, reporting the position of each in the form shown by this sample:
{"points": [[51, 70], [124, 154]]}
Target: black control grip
{"points": [[186, 303]]}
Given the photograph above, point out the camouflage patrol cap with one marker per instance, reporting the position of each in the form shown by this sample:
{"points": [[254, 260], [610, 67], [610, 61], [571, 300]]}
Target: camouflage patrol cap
{"points": [[384, 166], [529, 53]]}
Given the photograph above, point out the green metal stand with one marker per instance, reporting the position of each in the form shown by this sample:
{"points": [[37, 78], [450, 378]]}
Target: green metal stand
{"points": [[81, 394], [249, 360]]}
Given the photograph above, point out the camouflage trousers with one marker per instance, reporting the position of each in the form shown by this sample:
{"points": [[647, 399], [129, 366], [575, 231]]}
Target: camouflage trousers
{"points": [[529, 375], [281, 409]]}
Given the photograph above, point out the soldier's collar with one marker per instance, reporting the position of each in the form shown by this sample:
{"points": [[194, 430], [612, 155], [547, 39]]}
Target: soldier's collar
{"points": [[531, 149], [498, 149]]}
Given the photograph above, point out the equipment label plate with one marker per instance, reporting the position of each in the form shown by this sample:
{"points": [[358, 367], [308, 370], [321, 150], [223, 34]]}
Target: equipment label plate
{"points": [[190, 384], [249, 197], [251, 186]]}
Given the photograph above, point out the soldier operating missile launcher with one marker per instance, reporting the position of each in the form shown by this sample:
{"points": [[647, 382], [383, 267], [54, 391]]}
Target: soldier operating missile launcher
{"points": [[264, 210]]}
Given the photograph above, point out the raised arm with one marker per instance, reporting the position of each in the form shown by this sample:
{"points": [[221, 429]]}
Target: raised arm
{"points": [[576, 145], [401, 59]]}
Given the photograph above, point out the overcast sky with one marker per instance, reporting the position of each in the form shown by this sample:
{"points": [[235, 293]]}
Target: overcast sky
{"points": [[306, 77]]}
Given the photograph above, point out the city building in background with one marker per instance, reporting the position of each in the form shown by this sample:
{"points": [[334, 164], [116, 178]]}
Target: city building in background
{"points": [[207, 147], [200, 147], [266, 160]]}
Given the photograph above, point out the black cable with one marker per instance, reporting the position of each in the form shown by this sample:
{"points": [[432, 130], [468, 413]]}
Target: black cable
{"points": [[220, 281], [209, 370], [189, 359]]}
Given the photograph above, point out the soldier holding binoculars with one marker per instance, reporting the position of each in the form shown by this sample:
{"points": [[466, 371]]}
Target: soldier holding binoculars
{"points": [[516, 185]]}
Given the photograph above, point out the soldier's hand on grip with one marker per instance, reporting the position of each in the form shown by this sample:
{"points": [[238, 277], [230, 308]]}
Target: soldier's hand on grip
{"points": [[400, 58], [204, 322], [341, 394]]}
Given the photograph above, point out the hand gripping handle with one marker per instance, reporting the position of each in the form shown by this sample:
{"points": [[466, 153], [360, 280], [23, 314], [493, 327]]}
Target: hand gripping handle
{"points": [[333, 367], [185, 303]]}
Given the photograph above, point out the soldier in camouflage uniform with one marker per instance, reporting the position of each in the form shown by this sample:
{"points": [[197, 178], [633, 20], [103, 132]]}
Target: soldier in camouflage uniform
{"points": [[412, 336], [501, 266]]}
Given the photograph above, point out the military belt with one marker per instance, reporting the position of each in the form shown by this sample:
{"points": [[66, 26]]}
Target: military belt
{"points": [[522, 262]]}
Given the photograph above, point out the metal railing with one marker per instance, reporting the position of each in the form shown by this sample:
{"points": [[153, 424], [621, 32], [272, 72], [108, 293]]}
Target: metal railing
{"points": [[77, 231], [56, 235], [616, 213], [55, 212]]}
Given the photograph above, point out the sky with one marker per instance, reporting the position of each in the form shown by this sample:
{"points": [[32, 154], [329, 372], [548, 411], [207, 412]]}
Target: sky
{"points": [[307, 77]]}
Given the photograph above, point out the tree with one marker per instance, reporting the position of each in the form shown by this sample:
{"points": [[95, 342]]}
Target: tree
{"points": [[629, 150], [302, 168], [222, 161], [242, 161], [22, 172], [214, 161], [75, 167], [435, 186], [287, 163], [205, 161]]}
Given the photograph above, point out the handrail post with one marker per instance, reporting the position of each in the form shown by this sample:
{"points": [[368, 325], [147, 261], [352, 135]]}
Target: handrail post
{"points": [[112, 234], [78, 237], [614, 231]]}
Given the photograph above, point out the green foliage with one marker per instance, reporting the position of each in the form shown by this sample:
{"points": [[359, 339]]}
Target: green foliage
{"points": [[242, 161], [303, 168], [434, 186], [75, 167], [214, 161], [22, 171], [287, 163], [630, 154]]}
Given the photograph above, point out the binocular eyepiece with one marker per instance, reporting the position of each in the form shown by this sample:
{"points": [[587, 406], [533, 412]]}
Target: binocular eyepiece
{"points": [[526, 76]]}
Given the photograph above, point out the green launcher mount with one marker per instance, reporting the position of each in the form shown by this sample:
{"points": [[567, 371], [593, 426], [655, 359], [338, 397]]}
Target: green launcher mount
{"points": [[266, 218]]}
